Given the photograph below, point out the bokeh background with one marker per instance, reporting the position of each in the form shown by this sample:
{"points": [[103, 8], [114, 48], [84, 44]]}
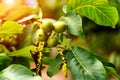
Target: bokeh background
{"points": [[103, 41]]}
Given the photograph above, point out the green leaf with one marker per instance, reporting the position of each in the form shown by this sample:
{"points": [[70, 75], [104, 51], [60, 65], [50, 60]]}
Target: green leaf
{"points": [[4, 60], [84, 66], [74, 23], [104, 61], [110, 68], [24, 52], [116, 3], [17, 72], [54, 66], [112, 71], [21, 60], [97, 10], [47, 60], [10, 28]]}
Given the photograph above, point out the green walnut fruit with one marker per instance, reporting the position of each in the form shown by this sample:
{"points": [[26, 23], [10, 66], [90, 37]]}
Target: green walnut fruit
{"points": [[47, 26], [52, 41], [60, 26], [41, 35]]}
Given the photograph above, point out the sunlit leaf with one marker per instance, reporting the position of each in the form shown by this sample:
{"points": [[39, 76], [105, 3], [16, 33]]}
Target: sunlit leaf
{"points": [[17, 72], [97, 10], [10, 28], [24, 52], [116, 3], [84, 66]]}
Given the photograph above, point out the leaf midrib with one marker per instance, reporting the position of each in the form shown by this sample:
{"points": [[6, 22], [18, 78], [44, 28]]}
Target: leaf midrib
{"points": [[82, 64], [78, 8], [57, 65]]}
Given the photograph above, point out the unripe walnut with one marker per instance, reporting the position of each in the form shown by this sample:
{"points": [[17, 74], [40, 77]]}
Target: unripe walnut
{"points": [[52, 41], [47, 26], [60, 26], [41, 35]]}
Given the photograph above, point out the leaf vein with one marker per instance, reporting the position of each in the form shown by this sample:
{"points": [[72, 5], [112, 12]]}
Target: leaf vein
{"points": [[82, 65], [80, 7]]}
